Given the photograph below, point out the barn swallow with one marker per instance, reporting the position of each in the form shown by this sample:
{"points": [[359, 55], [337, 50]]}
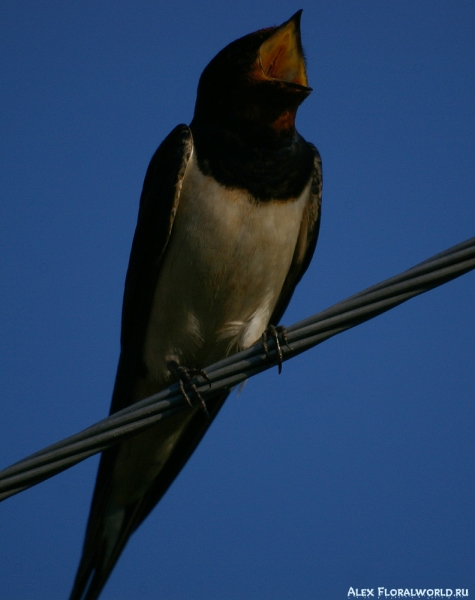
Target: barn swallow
{"points": [[228, 222]]}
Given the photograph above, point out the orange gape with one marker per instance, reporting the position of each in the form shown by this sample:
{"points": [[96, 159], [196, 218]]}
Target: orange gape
{"points": [[281, 57], [286, 120]]}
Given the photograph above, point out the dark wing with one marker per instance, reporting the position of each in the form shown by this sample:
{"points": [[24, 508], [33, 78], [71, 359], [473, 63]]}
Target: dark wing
{"points": [[158, 206], [306, 242]]}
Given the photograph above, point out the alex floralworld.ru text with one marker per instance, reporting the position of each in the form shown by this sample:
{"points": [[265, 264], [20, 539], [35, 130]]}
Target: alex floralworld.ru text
{"points": [[382, 592]]}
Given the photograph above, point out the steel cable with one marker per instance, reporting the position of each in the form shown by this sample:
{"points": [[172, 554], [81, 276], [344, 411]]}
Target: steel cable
{"points": [[233, 370]]}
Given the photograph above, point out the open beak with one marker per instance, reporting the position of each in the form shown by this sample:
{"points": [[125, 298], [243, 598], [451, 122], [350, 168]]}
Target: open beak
{"points": [[281, 55]]}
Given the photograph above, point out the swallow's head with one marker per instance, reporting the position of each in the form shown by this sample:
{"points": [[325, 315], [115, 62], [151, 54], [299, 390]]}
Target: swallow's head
{"points": [[259, 79]]}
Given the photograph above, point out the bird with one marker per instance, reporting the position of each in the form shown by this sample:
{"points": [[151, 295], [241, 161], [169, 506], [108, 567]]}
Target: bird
{"points": [[228, 222]]}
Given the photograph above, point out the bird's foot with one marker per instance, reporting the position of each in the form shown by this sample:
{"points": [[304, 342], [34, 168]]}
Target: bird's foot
{"points": [[185, 380], [274, 333]]}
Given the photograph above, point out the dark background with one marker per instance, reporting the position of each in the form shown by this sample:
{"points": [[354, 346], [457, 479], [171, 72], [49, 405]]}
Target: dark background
{"points": [[355, 466]]}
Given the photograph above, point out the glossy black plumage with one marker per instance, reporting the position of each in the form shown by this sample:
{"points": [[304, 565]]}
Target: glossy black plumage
{"points": [[268, 164], [232, 131]]}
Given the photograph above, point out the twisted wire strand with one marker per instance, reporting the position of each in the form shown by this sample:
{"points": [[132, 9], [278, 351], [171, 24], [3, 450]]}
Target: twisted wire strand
{"points": [[231, 371]]}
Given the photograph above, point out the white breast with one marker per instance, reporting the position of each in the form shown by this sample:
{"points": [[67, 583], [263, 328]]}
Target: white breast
{"points": [[224, 268]]}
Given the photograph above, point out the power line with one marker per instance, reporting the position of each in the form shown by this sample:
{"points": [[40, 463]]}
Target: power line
{"points": [[233, 370]]}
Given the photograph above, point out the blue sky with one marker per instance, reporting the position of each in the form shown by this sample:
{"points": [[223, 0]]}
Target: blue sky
{"points": [[355, 467]]}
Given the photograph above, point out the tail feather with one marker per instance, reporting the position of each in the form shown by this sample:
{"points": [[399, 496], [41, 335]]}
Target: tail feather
{"points": [[110, 527]]}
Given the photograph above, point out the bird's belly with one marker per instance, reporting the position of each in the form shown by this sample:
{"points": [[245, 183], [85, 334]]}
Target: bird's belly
{"points": [[223, 271]]}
